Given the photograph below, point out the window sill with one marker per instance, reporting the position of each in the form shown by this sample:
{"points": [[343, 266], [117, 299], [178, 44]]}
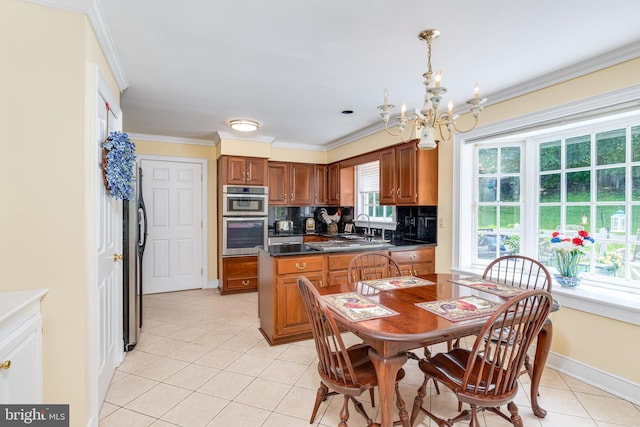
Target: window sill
{"points": [[610, 303]]}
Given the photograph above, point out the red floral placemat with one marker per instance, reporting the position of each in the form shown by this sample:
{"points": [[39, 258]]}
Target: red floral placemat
{"points": [[464, 308], [392, 283], [490, 287], [356, 307]]}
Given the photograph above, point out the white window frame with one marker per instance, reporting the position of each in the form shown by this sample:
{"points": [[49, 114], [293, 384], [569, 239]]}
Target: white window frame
{"points": [[375, 222], [612, 303]]}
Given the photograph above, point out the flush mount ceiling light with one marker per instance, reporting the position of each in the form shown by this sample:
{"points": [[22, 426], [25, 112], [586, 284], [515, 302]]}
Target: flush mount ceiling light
{"points": [[244, 125], [427, 120]]}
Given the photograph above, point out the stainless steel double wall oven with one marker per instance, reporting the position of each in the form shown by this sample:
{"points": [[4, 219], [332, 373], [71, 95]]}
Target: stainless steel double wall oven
{"points": [[244, 219]]}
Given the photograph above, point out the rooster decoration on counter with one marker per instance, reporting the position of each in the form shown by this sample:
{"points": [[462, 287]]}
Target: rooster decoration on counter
{"points": [[329, 219]]}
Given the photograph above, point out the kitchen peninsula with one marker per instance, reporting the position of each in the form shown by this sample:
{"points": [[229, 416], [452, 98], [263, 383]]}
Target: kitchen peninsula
{"points": [[282, 313]]}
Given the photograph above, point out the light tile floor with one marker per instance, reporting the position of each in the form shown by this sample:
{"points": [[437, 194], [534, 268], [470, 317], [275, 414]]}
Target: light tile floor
{"points": [[201, 361]]}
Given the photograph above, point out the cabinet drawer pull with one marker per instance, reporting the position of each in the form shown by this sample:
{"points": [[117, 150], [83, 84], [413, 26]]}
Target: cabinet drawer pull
{"points": [[245, 283], [412, 256], [5, 365], [301, 267], [320, 281]]}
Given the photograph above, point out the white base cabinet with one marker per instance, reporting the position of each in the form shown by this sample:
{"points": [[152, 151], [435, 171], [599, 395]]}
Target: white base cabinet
{"points": [[21, 347]]}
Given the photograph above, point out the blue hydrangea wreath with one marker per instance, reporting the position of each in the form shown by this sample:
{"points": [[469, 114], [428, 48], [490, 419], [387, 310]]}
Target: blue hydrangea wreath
{"points": [[118, 165]]}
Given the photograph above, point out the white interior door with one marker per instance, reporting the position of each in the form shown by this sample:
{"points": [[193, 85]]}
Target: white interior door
{"points": [[173, 258], [109, 239]]}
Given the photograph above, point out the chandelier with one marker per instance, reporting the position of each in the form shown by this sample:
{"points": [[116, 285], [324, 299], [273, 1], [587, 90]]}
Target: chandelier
{"points": [[428, 119]]}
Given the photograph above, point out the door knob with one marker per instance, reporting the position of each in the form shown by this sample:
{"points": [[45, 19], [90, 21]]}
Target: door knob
{"points": [[118, 257], [5, 365]]}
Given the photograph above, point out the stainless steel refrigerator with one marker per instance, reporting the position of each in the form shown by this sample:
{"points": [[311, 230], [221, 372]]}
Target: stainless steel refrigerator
{"points": [[134, 226]]}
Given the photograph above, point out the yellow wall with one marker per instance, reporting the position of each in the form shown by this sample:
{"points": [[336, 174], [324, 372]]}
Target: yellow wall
{"points": [[44, 220]]}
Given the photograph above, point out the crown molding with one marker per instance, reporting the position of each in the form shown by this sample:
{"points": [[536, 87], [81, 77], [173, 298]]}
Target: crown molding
{"points": [[171, 139], [298, 146], [92, 10], [600, 62], [235, 137]]}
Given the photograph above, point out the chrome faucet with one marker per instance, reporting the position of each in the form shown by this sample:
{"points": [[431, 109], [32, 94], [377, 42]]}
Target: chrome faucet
{"points": [[368, 224]]}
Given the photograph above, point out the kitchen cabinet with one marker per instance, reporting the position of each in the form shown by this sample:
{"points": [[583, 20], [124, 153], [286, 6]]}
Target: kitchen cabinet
{"points": [[283, 317], [235, 170], [408, 176], [21, 347], [415, 262], [290, 184], [337, 267], [320, 191], [239, 274], [340, 185], [333, 184]]}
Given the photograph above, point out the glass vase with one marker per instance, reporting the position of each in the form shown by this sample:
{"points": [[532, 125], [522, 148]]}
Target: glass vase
{"points": [[568, 281]]}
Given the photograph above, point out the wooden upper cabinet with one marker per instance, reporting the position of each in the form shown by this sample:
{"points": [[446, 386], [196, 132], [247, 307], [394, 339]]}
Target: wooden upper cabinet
{"points": [[243, 170], [388, 177], [278, 182], [333, 184], [320, 193], [301, 184], [290, 184], [408, 176]]}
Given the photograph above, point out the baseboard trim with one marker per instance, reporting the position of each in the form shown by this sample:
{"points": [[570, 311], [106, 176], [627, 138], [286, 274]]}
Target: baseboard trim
{"points": [[212, 284], [606, 381]]}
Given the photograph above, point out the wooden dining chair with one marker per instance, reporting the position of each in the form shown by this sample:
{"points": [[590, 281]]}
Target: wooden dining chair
{"points": [[518, 270], [521, 271], [486, 376], [370, 266], [346, 371]]}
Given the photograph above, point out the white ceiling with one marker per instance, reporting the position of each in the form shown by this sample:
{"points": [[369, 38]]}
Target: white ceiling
{"points": [[294, 65]]}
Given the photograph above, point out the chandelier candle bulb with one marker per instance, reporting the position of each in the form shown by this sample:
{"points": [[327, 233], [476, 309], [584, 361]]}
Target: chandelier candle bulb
{"points": [[386, 97], [438, 77], [476, 91], [450, 108], [403, 109]]}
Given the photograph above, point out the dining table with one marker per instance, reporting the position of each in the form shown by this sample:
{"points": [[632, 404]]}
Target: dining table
{"points": [[404, 321]]}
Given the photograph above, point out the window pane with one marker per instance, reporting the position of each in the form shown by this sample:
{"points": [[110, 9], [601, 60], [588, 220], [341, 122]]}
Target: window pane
{"points": [[578, 152], [635, 183], [610, 147], [635, 143], [548, 219], [510, 218], [550, 188], [610, 220], [487, 218], [550, 156], [488, 160], [510, 160], [577, 217], [510, 189], [610, 184], [635, 223], [487, 189], [579, 186]]}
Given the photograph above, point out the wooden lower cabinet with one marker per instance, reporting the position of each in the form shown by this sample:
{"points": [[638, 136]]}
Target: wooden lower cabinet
{"points": [[283, 317], [239, 274], [415, 262]]}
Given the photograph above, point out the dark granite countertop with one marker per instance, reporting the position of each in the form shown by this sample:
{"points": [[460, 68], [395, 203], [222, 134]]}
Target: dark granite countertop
{"points": [[306, 249]]}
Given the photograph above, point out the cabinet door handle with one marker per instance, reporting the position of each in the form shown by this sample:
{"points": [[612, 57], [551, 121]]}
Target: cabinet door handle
{"points": [[320, 281], [291, 196], [398, 192], [5, 365], [245, 283], [301, 267]]}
